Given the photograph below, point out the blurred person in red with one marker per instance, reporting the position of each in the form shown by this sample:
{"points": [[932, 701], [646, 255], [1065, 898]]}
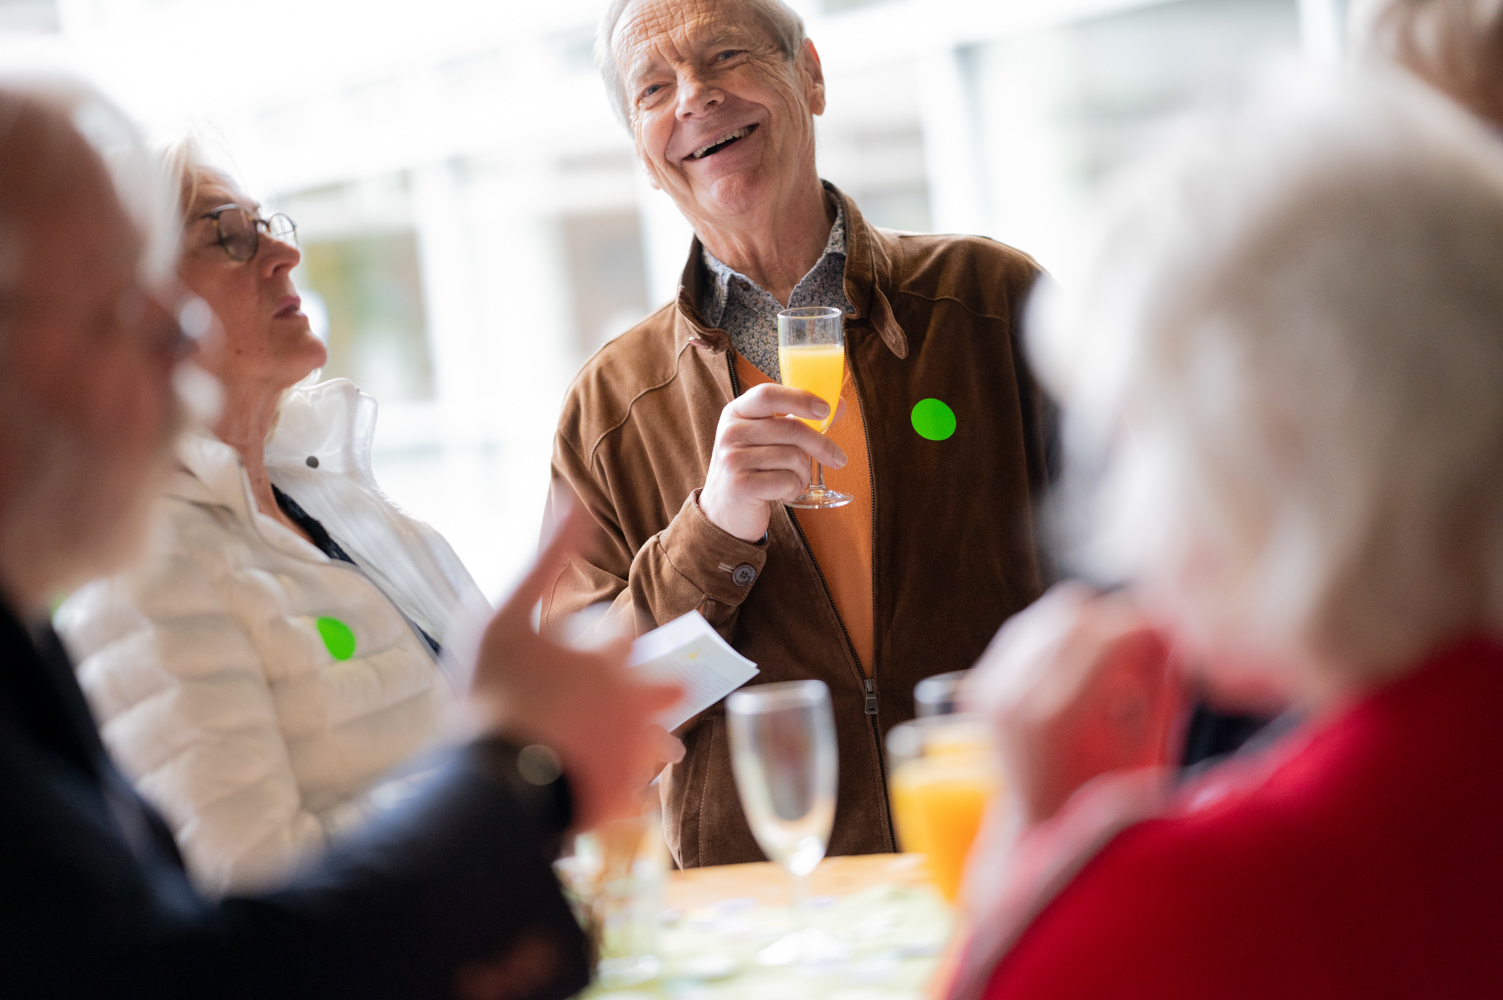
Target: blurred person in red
{"points": [[1282, 371], [676, 435], [1455, 46], [453, 897]]}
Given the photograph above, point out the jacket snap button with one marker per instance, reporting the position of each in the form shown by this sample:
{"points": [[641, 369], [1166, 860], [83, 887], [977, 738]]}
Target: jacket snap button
{"points": [[312, 461], [744, 574]]}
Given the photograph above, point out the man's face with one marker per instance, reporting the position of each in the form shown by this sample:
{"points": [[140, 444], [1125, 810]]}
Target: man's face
{"points": [[90, 411], [723, 121]]}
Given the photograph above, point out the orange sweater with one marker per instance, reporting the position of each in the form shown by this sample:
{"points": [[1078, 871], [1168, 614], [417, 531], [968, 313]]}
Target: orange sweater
{"points": [[840, 538]]}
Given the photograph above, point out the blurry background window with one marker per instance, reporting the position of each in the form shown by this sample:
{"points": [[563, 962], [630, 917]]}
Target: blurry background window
{"points": [[1059, 109], [836, 6], [606, 273], [28, 15], [474, 220], [369, 291]]}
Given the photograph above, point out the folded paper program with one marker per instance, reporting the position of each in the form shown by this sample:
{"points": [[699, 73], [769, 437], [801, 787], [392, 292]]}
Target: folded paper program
{"points": [[691, 654]]}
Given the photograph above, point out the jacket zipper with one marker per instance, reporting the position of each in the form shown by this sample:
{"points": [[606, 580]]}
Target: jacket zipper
{"points": [[730, 363], [868, 684], [871, 682]]}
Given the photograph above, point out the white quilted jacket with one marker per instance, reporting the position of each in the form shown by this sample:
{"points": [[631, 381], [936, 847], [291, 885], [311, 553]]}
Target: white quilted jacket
{"points": [[213, 666]]}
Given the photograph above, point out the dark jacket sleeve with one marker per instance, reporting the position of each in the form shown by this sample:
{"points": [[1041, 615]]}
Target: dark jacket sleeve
{"points": [[453, 898]]}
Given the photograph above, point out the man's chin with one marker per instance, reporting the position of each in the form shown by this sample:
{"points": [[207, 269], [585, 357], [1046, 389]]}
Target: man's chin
{"points": [[730, 195]]}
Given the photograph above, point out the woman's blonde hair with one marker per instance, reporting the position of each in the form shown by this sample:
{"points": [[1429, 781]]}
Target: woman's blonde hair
{"points": [[187, 167], [1287, 357]]}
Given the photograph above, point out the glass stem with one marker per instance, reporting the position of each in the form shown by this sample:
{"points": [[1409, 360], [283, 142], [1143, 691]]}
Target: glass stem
{"points": [[801, 902], [816, 476]]}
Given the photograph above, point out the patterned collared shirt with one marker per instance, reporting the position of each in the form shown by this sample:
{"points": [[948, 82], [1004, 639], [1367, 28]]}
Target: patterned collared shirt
{"points": [[749, 314]]}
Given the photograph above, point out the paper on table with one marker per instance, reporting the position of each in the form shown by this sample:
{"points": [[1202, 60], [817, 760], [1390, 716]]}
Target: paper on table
{"points": [[689, 653]]}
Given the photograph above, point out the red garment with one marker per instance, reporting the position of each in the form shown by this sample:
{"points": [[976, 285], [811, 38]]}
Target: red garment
{"points": [[1368, 862]]}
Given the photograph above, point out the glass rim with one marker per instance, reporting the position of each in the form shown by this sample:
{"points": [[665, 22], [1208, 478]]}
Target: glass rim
{"points": [[940, 721], [761, 698], [809, 312], [945, 683], [907, 738]]}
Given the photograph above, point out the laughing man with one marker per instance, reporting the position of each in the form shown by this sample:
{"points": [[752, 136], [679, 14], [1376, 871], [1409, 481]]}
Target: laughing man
{"points": [[674, 437]]}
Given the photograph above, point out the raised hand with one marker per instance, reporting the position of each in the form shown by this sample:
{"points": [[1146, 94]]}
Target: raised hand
{"points": [[582, 703], [762, 454], [1078, 684]]}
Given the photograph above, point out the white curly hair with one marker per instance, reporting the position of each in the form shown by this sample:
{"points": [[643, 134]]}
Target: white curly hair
{"points": [[1286, 357]]}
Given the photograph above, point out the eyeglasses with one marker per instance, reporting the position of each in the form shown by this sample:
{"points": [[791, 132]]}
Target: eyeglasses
{"points": [[239, 232]]}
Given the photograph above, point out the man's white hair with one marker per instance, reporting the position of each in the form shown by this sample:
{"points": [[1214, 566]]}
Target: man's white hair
{"points": [[139, 180], [780, 20], [1288, 359]]}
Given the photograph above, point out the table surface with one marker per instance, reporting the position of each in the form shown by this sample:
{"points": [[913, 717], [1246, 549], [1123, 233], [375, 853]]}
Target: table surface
{"points": [[770, 885], [715, 921]]}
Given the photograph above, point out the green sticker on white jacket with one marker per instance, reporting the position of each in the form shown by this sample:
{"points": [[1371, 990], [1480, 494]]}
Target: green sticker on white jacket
{"points": [[339, 640]]}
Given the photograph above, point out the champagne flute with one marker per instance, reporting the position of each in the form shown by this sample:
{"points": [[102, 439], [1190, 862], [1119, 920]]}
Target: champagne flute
{"points": [[811, 355], [784, 758]]}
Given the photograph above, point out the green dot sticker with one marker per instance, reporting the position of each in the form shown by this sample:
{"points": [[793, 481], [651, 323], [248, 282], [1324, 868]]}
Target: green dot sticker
{"points": [[933, 419], [338, 638]]}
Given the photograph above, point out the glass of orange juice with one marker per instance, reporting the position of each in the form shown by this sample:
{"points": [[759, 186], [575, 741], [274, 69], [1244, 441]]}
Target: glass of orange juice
{"points": [[811, 356], [942, 775]]}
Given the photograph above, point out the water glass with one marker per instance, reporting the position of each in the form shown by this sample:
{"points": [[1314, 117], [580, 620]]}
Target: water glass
{"points": [[617, 874], [784, 758]]}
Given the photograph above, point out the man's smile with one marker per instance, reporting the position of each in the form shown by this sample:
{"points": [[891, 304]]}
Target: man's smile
{"points": [[730, 138]]}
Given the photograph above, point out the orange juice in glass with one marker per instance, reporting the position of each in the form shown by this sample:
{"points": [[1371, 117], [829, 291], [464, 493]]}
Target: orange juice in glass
{"points": [[942, 775], [811, 356], [819, 368]]}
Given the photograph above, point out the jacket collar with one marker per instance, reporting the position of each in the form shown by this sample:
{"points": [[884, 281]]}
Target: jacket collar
{"points": [[332, 421], [868, 266], [210, 474]]}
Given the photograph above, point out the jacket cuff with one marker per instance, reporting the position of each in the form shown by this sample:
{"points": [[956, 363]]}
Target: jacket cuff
{"points": [[716, 562], [535, 779]]}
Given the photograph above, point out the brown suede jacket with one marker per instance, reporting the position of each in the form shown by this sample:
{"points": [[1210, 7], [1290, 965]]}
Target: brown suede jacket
{"points": [[953, 548]]}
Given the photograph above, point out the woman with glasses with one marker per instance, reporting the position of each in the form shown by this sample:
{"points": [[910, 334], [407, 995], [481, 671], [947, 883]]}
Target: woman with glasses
{"points": [[277, 657]]}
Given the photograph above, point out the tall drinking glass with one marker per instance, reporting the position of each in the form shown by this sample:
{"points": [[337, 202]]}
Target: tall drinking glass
{"points": [[784, 758], [811, 355], [943, 774]]}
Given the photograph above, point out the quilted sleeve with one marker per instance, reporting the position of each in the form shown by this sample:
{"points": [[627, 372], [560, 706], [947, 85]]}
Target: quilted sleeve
{"points": [[184, 706]]}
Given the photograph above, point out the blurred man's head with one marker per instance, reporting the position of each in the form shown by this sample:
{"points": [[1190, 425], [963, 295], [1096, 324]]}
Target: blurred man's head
{"points": [[720, 95], [1453, 45], [87, 351]]}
